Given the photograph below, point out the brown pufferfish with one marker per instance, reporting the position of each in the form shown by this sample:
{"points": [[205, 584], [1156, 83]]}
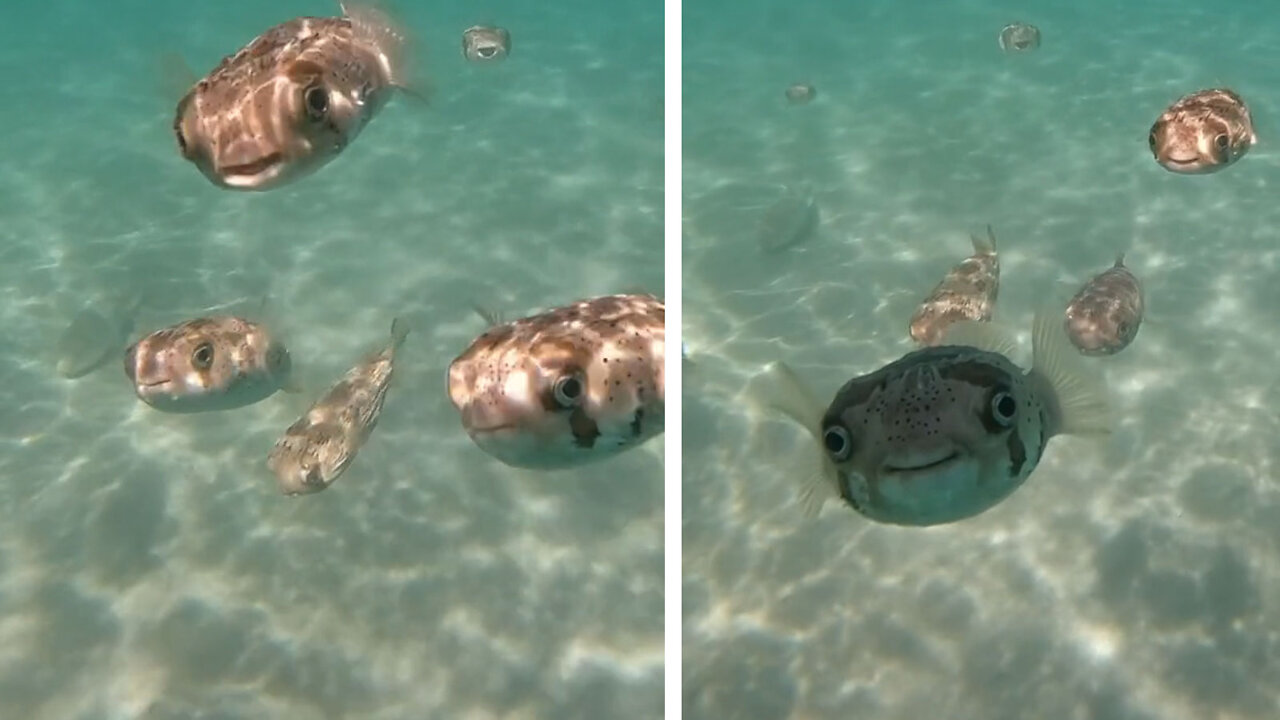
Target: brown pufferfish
{"points": [[568, 386], [1104, 315], [322, 444], [292, 99], [1202, 133], [967, 292], [208, 364]]}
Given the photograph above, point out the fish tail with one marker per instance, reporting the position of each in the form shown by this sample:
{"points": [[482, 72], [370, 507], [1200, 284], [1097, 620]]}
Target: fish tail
{"points": [[1120, 259], [373, 24], [787, 394], [1078, 394], [399, 331]]}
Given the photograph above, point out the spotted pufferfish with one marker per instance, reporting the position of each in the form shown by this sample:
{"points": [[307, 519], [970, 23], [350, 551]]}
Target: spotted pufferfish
{"points": [[565, 387], [945, 432]]}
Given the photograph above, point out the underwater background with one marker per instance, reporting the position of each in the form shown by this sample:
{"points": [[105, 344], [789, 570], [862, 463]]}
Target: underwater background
{"points": [[1133, 577], [149, 567]]}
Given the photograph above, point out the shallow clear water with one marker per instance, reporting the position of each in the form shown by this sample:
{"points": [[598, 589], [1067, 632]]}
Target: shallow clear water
{"points": [[148, 565], [1133, 577]]}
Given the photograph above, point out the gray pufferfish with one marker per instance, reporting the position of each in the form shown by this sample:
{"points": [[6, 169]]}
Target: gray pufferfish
{"points": [[946, 432]]}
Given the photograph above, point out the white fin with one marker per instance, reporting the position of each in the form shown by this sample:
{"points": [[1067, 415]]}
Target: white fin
{"points": [[984, 246], [174, 76], [787, 394], [1081, 393], [637, 290], [399, 331], [981, 335], [492, 318], [373, 24]]}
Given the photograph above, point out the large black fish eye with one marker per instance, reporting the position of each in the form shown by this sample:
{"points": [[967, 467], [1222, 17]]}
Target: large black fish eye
{"points": [[838, 443], [202, 356], [1221, 140], [1151, 140], [316, 98], [568, 391], [1004, 407]]}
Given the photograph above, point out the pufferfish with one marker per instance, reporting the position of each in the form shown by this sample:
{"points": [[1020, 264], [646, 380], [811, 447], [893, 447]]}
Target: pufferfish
{"points": [[322, 444], [568, 386], [946, 432], [1202, 133], [967, 292], [292, 99], [1104, 315], [208, 364]]}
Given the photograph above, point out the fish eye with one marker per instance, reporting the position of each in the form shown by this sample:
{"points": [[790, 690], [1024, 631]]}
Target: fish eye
{"points": [[838, 443], [1003, 408], [568, 391], [1221, 141], [202, 357], [316, 98], [1151, 140]]}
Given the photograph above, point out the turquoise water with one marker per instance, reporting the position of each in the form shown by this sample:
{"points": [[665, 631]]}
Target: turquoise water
{"points": [[1133, 577], [148, 565]]}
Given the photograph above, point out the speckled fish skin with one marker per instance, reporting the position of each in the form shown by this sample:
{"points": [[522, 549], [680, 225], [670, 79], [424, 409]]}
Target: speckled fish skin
{"points": [[1202, 133], [968, 292], [321, 445], [1104, 316], [292, 100], [573, 385], [1019, 37], [207, 364]]}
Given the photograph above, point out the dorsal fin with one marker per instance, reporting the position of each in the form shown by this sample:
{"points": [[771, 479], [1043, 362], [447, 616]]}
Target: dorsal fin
{"points": [[984, 246], [492, 318]]}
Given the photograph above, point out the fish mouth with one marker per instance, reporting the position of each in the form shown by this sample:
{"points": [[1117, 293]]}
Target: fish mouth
{"points": [[915, 463], [251, 174], [491, 429]]}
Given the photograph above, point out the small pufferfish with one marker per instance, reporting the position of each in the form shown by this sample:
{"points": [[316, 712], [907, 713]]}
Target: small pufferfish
{"points": [[322, 444], [208, 364], [1202, 133], [967, 292], [1104, 315]]}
